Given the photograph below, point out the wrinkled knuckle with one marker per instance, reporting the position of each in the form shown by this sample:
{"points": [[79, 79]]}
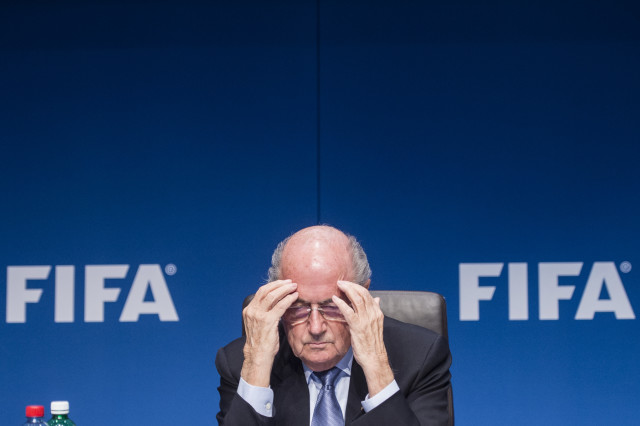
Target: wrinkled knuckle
{"points": [[269, 303]]}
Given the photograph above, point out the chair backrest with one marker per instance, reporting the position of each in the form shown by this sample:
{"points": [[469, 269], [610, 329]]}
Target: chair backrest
{"points": [[423, 308]]}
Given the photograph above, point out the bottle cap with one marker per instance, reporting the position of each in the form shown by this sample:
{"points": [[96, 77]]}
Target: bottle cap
{"points": [[35, 411], [59, 407]]}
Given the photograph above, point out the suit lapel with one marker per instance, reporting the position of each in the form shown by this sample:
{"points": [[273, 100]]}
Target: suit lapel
{"points": [[291, 393], [357, 392]]}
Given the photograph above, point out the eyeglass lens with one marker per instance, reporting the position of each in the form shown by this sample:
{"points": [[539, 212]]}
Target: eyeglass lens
{"points": [[300, 314]]}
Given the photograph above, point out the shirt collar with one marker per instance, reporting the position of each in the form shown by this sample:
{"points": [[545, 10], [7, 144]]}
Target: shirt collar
{"points": [[344, 364]]}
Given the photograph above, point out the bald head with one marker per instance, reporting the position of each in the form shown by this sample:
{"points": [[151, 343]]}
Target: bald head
{"points": [[321, 249]]}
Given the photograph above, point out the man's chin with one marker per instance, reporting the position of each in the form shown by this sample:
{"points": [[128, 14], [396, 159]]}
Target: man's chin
{"points": [[319, 358]]}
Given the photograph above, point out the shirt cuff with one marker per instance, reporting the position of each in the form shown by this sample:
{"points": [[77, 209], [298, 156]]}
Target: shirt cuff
{"points": [[261, 399], [370, 403]]}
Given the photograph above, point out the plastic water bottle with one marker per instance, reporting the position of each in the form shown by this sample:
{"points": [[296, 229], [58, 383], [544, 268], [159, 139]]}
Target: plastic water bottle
{"points": [[35, 415], [60, 414]]}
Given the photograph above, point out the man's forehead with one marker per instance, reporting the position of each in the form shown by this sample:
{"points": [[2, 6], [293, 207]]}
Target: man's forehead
{"points": [[321, 260], [310, 294], [307, 302]]}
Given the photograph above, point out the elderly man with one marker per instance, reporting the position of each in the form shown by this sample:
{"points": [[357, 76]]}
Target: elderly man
{"points": [[318, 350]]}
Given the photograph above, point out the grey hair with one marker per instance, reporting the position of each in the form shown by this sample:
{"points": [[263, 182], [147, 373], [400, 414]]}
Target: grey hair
{"points": [[360, 263], [276, 259]]}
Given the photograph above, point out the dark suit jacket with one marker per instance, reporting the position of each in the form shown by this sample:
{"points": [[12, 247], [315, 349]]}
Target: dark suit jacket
{"points": [[420, 360]]}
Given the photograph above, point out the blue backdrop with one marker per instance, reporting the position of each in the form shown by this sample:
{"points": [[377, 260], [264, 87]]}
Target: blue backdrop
{"points": [[193, 136]]}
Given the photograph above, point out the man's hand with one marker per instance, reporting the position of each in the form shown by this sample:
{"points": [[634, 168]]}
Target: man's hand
{"points": [[365, 319], [261, 319]]}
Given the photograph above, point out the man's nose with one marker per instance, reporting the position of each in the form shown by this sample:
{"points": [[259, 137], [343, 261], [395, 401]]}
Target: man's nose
{"points": [[317, 323]]}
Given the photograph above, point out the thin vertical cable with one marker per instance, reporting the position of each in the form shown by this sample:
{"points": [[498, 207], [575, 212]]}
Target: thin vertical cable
{"points": [[318, 175]]}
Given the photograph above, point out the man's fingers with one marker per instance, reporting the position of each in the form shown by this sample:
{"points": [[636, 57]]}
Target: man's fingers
{"points": [[276, 295], [270, 286], [284, 304], [357, 294], [270, 294], [345, 309]]}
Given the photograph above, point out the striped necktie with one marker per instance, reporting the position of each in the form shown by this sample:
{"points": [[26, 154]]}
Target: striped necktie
{"points": [[327, 411]]}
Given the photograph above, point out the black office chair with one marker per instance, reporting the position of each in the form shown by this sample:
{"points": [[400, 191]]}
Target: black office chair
{"points": [[423, 308]]}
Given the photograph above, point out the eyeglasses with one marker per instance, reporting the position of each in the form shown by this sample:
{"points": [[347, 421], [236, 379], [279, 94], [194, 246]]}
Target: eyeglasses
{"points": [[298, 314]]}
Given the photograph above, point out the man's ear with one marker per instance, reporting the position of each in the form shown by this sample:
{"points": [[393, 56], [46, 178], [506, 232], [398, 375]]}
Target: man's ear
{"points": [[366, 285]]}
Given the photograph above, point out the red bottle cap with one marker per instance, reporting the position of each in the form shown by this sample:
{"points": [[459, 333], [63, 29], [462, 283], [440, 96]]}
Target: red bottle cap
{"points": [[35, 411]]}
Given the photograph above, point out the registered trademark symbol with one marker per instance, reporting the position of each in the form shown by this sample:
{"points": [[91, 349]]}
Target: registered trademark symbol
{"points": [[171, 269], [625, 267]]}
